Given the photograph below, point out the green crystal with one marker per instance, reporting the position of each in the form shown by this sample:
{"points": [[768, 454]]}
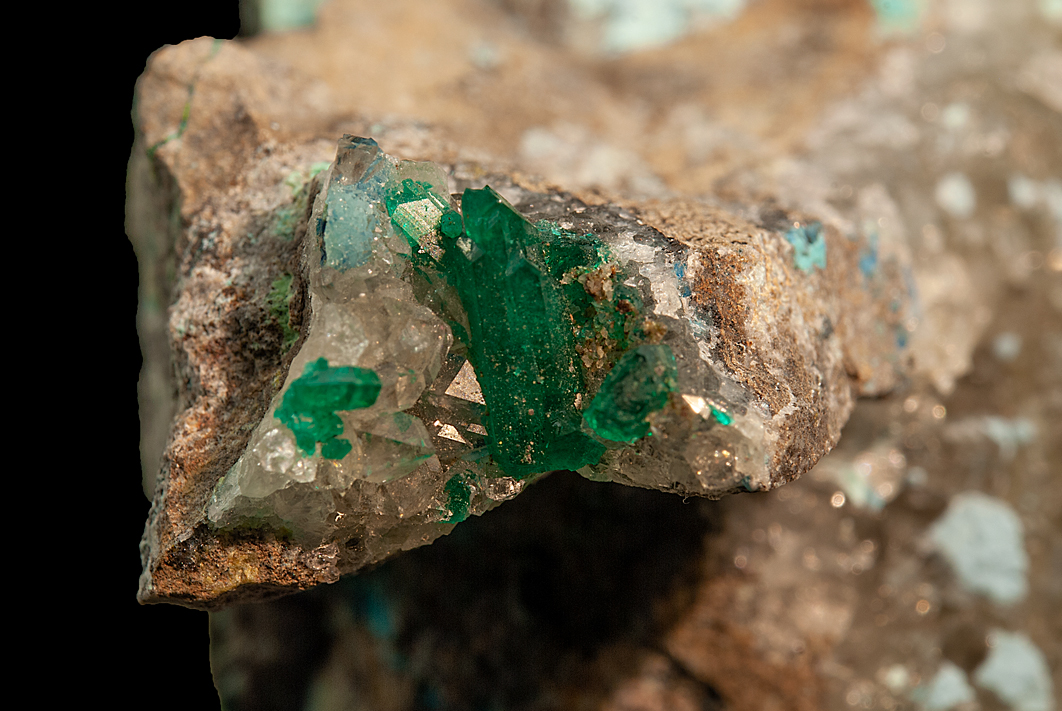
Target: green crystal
{"points": [[520, 340], [459, 498], [722, 417], [310, 404], [419, 208], [636, 387]]}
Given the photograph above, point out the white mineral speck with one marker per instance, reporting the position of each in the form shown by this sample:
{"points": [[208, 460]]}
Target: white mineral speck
{"points": [[947, 689], [1023, 192], [982, 539], [1006, 346], [955, 195], [1017, 673]]}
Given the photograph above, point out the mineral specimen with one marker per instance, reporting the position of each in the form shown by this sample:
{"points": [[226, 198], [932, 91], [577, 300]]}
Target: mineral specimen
{"points": [[375, 352], [583, 354], [548, 329]]}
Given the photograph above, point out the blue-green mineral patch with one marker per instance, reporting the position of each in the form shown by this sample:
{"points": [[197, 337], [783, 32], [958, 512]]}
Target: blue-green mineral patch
{"points": [[279, 301], [722, 417], [983, 540], [809, 246], [898, 16], [1017, 672]]}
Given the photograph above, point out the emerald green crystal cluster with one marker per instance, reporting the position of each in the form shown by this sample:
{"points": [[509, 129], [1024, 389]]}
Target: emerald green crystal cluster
{"points": [[527, 319], [309, 406], [457, 350]]}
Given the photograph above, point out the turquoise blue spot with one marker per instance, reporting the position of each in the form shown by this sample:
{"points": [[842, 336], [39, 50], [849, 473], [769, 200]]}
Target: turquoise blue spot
{"points": [[868, 263], [809, 246], [898, 15], [684, 286], [379, 617]]}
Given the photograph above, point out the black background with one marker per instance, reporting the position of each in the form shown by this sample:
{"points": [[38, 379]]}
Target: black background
{"points": [[155, 655]]}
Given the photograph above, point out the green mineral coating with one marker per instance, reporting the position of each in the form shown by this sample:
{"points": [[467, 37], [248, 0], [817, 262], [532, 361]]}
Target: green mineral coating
{"points": [[286, 217], [520, 341], [459, 498], [284, 222], [575, 260], [809, 246], [636, 387], [309, 406], [279, 300], [295, 181], [319, 167], [721, 417]]}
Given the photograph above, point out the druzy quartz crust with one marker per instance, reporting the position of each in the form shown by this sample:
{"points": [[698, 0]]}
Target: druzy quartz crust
{"points": [[459, 349]]}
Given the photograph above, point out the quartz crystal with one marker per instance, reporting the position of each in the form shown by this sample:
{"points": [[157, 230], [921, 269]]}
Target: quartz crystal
{"points": [[457, 350]]}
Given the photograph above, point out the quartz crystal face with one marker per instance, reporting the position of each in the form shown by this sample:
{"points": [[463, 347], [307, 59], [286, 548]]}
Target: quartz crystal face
{"points": [[457, 350]]}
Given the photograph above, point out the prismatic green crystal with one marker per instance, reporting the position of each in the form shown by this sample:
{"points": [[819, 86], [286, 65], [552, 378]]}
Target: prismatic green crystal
{"points": [[458, 498], [521, 342], [310, 404], [636, 387], [419, 208], [722, 417]]}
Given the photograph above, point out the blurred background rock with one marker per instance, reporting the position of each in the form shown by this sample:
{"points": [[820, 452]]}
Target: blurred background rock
{"points": [[920, 564]]}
